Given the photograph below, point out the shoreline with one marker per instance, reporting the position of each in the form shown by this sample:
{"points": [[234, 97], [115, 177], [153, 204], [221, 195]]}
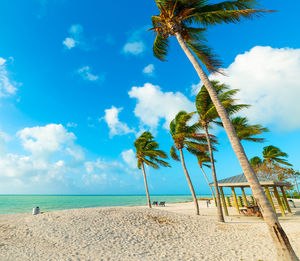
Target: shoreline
{"points": [[134, 233]]}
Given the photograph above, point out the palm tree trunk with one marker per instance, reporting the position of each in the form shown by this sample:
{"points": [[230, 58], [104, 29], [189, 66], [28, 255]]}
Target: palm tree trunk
{"points": [[283, 246], [146, 185], [213, 169], [212, 192], [297, 184], [189, 181]]}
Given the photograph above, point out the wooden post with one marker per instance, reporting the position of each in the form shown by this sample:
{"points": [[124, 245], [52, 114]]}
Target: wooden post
{"points": [[235, 200], [285, 200], [223, 202], [228, 201], [244, 196], [279, 201], [270, 198]]}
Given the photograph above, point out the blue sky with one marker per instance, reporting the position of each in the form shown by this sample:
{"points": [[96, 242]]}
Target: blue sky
{"points": [[78, 83]]}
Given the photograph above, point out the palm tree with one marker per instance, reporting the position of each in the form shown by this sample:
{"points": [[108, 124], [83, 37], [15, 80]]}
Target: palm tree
{"points": [[186, 136], [256, 161], [179, 18], [147, 151], [272, 154], [208, 114], [248, 132], [294, 174]]}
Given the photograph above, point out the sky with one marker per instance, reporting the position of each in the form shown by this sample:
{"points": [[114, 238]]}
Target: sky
{"points": [[79, 83]]}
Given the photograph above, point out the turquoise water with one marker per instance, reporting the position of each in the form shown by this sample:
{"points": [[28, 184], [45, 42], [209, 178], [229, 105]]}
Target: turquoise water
{"points": [[25, 203]]}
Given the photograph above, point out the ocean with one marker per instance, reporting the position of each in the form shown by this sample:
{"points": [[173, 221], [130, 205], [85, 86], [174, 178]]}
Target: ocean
{"points": [[10, 204]]}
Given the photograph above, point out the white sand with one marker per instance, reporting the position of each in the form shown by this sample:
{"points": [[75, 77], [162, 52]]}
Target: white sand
{"points": [[137, 233]]}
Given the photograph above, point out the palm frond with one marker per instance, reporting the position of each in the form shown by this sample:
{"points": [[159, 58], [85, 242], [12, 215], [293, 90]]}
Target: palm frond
{"points": [[160, 47], [173, 154]]}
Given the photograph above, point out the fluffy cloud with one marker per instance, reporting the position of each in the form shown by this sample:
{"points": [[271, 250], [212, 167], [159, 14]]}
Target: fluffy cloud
{"points": [[149, 70], [129, 157], [75, 37], [268, 79], [134, 48], [85, 73], [7, 86], [116, 127], [154, 105], [51, 153]]}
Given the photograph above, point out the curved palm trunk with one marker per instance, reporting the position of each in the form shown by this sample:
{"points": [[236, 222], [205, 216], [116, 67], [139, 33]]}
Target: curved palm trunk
{"points": [[283, 246], [146, 185], [213, 170], [212, 192], [189, 181]]}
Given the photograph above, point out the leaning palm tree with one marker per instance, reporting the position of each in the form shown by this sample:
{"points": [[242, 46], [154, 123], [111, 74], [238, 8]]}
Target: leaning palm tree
{"points": [[147, 152], [207, 115], [185, 20], [185, 135]]}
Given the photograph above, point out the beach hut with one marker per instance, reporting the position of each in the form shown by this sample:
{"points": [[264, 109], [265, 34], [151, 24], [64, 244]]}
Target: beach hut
{"points": [[272, 189]]}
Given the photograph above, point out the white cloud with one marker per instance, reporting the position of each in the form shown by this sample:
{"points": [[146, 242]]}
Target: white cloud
{"points": [[51, 153], [75, 37], [85, 73], [7, 86], [69, 43], [116, 127], [268, 79], [134, 48], [130, 158], [149, 70], [154, 105], [46, 139]]}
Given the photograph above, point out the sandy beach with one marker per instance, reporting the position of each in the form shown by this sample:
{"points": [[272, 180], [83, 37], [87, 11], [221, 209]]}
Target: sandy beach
{"points": [[138, 233]]}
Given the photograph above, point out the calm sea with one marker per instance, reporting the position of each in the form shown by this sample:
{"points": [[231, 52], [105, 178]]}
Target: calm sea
{"points": [[25, 203]]}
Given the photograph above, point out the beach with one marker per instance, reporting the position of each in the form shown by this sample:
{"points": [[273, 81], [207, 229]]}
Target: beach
{"points": [[138, 233]]}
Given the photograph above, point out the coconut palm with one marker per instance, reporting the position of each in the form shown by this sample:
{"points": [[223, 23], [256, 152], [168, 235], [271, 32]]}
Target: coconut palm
{"points": [[255, 161], [185, 20], [185, 135], [272, 154], [248, 132], [147, 152], [207, 115]]}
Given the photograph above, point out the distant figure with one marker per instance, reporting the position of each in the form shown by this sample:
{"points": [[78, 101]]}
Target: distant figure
{"points": [[207, 202]]}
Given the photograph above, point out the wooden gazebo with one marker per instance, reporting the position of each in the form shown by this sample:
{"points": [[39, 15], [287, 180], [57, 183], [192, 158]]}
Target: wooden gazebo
{"points": [[270, 186]]}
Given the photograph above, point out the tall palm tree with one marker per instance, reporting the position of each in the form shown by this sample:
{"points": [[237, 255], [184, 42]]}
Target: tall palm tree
{"points": [[207, 115], [185, 20], [147, 151], [185, 135]]}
